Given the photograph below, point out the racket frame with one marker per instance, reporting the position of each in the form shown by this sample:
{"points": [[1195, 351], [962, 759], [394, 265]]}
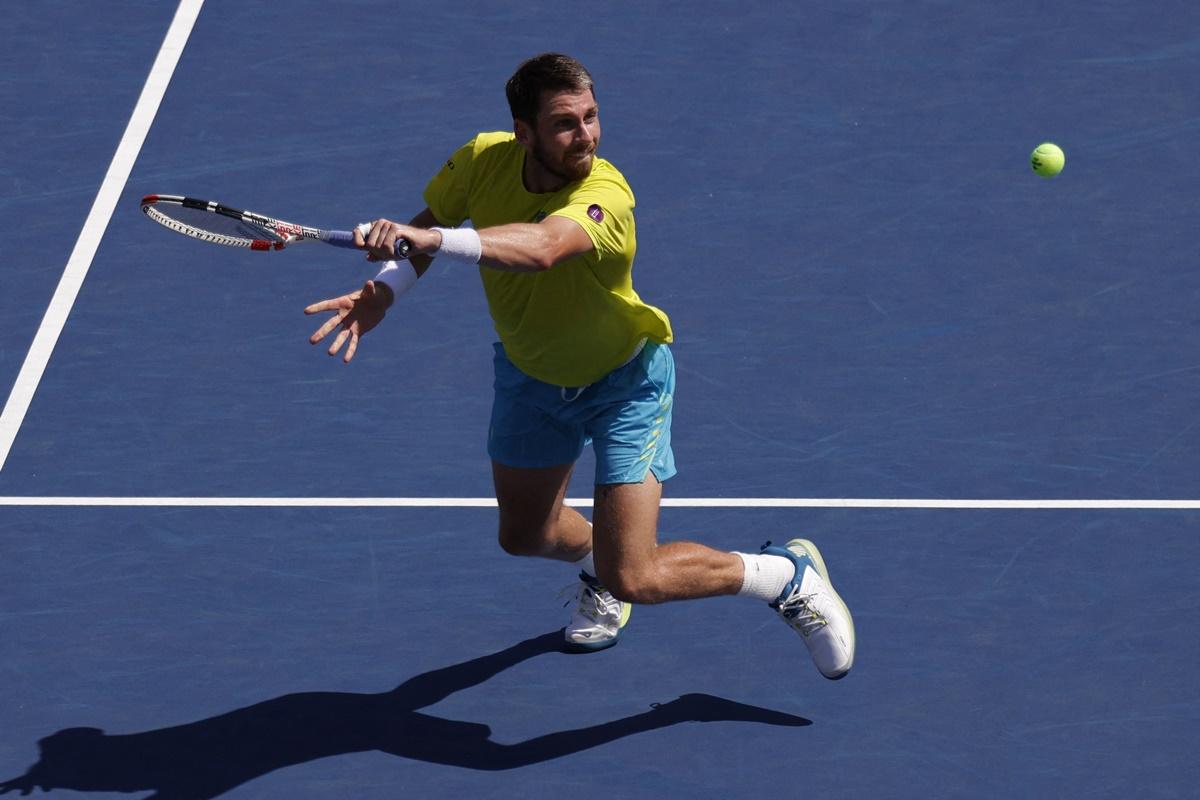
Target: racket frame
{"points": [[287, 232]]}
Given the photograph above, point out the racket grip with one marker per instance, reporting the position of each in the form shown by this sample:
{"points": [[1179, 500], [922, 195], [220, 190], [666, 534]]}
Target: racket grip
{"points": [[346, 239], [342, 239]]}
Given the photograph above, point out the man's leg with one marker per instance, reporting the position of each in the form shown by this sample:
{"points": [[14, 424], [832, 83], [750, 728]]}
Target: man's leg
{"points": [[533, 519], [631, 563], [793, 579], [632, 434]]}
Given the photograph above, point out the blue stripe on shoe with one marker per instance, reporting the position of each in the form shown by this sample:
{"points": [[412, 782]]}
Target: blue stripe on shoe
{"points": [[800, 561]]}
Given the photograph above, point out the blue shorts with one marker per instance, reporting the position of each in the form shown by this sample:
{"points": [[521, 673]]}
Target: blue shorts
{"points": [[626, 416]]}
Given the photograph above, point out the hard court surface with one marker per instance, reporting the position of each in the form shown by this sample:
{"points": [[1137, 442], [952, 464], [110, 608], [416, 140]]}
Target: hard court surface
{"points": [[874, 299]]}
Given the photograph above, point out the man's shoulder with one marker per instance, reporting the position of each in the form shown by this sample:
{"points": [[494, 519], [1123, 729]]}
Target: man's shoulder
{"points": [[604, 168], [497, 142], [607, 177]]}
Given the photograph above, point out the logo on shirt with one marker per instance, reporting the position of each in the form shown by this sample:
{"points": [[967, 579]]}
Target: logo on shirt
{"points": [[596, 213]]}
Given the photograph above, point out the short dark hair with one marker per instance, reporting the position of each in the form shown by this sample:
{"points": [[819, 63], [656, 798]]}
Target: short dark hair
{"points": [[549, 71]]}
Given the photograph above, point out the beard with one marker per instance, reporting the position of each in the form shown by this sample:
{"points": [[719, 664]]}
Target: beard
{"points": [[574, 165]]}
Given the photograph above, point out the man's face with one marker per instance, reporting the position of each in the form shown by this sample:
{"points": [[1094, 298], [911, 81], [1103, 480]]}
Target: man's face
{"points": [[564, 141]]}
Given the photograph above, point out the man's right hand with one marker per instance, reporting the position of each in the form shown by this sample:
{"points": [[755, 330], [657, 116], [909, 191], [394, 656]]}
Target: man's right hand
{"points": [[380, 240], [355, 313]]}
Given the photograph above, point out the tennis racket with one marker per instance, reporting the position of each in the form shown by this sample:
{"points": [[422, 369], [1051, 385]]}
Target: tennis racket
{"points": [[219, 224]]}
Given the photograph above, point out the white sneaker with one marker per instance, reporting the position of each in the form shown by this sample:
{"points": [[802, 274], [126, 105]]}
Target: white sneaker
{"points": [[598, 617], [811, 607]]}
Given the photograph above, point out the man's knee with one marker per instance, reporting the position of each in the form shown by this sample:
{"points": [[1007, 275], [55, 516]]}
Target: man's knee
{"points": [[632, 583], [520, 540]]}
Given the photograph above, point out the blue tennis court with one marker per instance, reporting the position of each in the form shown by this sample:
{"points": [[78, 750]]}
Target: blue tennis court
{"points": [[234, 567]]}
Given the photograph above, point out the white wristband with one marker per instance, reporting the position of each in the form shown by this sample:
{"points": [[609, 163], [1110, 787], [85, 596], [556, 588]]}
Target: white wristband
{"points": [[461, 244], [398, 278]]}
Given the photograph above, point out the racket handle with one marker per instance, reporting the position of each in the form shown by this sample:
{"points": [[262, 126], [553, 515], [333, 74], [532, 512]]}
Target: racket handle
{"points": [[342, 239], [346, 239]]}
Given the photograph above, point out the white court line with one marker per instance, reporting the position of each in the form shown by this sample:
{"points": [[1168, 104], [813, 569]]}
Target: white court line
{"points": [[670, 502], [80, 261]]}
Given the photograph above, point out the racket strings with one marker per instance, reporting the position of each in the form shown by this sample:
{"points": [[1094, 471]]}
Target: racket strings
{"points": [[214, 228]]}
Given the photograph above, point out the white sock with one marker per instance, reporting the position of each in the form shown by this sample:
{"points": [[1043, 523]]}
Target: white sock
{"points": [[765, 576], [587, 565]]}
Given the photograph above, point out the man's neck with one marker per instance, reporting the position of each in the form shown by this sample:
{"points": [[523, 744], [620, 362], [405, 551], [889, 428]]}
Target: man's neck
{"points": [[538, 179]]}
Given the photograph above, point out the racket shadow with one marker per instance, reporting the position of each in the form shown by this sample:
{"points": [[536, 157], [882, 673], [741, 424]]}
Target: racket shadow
{"points": [[206, 758]]}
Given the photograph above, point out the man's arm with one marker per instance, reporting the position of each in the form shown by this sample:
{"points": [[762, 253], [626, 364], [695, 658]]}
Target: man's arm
{"points": [[420, 261], [533, 247], [518, 247], [360, 311]]}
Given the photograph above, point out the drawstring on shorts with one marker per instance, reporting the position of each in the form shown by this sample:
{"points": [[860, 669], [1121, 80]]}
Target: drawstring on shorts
{"points": [[578, 390]]}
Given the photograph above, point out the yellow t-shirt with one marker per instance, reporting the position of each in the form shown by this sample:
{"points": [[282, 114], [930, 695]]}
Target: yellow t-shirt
{"points": [[574, 323]]}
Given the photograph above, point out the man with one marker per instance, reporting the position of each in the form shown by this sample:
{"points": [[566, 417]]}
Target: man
{"points": [[581, 358]]}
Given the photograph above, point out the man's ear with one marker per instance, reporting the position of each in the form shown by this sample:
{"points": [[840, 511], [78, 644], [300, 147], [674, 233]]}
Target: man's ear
{"points": [[523, 132]]}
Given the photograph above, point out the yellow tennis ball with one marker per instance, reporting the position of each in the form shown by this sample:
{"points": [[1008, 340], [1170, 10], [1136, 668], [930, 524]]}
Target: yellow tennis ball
{"points": [[1047, 159]]}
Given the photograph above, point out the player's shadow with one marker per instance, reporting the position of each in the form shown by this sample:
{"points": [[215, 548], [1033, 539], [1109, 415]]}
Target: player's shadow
{"points": [[207, 758]]}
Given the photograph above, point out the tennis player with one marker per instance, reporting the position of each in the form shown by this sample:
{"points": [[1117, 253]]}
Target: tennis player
{"points": [[581, 359]]}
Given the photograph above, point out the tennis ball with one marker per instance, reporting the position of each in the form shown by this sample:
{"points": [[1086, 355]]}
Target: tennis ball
{"points": [[1047, 159]]}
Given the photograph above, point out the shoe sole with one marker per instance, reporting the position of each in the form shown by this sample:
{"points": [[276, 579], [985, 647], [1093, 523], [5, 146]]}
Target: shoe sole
{"points": [[587, 647], [812, 552]]}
